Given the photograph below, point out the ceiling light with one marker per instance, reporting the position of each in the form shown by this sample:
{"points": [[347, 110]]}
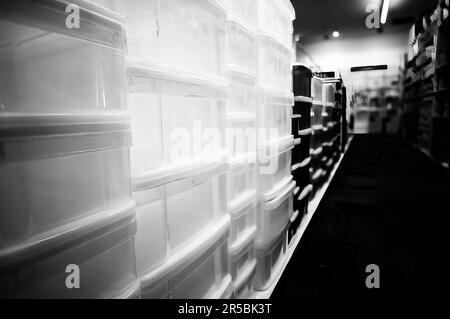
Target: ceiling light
{"points": [[384, 11], [336, 34]]}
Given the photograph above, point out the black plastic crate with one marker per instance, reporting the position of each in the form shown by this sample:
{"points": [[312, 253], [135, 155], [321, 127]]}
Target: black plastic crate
{"points": [[304, 110], [301, 80], [301, 151]]}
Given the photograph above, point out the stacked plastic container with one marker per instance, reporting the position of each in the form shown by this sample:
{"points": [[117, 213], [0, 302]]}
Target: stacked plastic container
{"points": [[275, 142], [317, 172], [301, 156], [177, 90], [241, 115], [67, 222]]}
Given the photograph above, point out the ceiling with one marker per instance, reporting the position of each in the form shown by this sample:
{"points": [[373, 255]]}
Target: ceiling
{"points": [[316, 19]]}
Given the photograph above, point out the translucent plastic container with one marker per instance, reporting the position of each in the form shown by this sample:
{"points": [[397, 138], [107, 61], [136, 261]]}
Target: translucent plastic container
{"points": [[56, 169], [244, 10], [242, 95], [242, 268], [100, 248], [49, 68], [275, 17], [141, 25], [171, 216], [274, 65], [301, 80], [270, 260], [175, 118], [200, 270], [273, 216], [243, 221], [328, 94], [317, 90], [241, 46], [277, 171], [192, 35], [316, 115], [241, 181], [274, 113], [241, 136]]}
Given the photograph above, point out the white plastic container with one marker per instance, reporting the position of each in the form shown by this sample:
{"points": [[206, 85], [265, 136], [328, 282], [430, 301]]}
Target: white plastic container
{"points": [[171, 216], [328, 94], [242, 96], [200, 270], [274, 65], [242, 269], [172, 115], [275, 17], [244, 10], [270, 260], [56, 169], [241, 46], [141, 25], [100, 247], [317, 90], [241, 136], [274, 113], [241, 181], [64, 71], [243, 220], [192, 35], [273, 216], [276, 171]]}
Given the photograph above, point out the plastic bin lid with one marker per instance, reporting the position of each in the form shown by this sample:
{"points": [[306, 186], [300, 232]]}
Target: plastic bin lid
{"points": [[97, 25], [105, 228], [244, 242], [190, 84], [241, 73], [207, 166]]}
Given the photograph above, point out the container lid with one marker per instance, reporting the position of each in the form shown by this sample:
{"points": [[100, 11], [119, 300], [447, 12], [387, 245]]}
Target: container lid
{"points": [[207, 166], [272, 39], [197, 250], [176, 82], [276, 147], [304, 163], [38, 136], [283, 193], [241, 25], [96, 25], [106, 227], [242, 74], [305, 132], [245, 275], [306, 99], [242, 204], [244, 242]]}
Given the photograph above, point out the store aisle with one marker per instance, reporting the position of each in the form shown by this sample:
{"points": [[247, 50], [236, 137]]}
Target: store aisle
{"points": [[387, 205]]}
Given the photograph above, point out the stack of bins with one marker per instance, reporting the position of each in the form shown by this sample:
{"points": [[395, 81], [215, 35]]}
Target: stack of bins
{"points": [[329, 136], [275, 142], [336, 117], [301, 157], [176, 100], [241, 124], [67, 221], [317, 173]]}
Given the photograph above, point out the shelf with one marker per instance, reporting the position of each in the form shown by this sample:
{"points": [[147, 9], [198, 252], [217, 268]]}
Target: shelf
{"points": [[312, 207]]}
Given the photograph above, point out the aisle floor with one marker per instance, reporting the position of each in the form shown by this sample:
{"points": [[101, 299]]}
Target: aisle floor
{"points": [[387, 205]]}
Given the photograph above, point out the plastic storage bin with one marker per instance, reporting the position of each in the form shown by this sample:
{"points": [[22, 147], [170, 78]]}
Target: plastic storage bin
{"points": [[270, 260], [301, 80], [275, 17], [100, 247], [316, 116], [274, 169], [274, 116], [305, 110], [242, 268], [56, 169], [192, 35], [172, 215], [241, 46], [241, 181], [242, 96], [244, 10], [241, 136], [168, 112], [274, 65], [328, 94], [273, 216], [243, 220], [200, 270], [65, 71], [317, 90], [141, 25], [300, 173]]}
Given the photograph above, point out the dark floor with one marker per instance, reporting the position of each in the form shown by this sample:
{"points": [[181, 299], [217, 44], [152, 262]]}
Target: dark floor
{"points": [[388, 205]]}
